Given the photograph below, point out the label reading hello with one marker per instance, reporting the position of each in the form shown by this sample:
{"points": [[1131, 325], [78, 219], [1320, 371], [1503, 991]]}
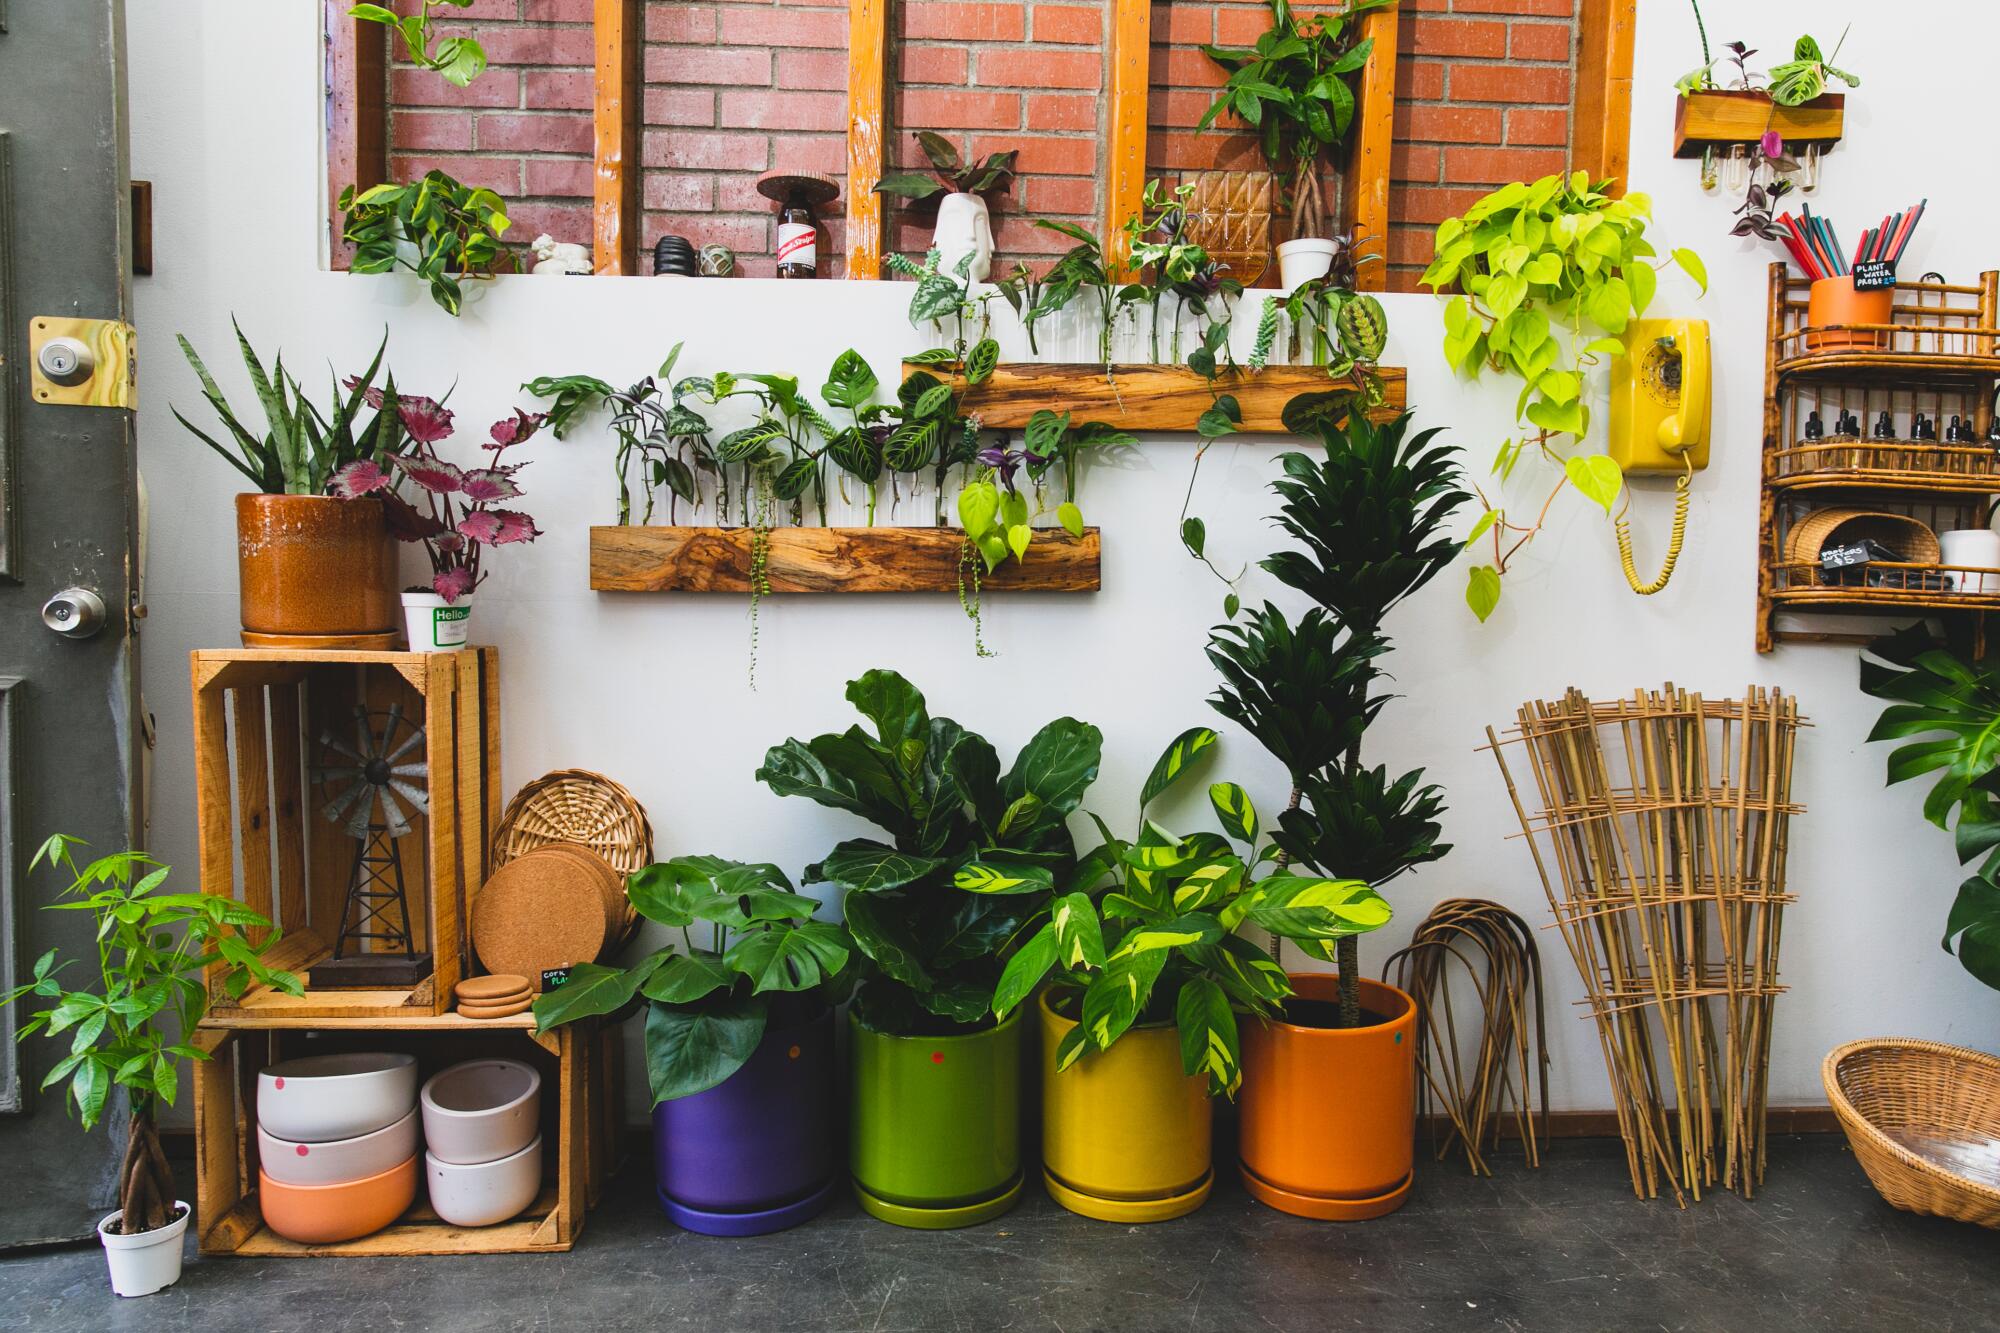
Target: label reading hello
{"points": [[448, 624]]}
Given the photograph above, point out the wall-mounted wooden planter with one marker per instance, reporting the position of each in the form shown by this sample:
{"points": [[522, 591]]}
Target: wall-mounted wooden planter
{"points": [[1153, 398], [1717, 118], [647, 559]]}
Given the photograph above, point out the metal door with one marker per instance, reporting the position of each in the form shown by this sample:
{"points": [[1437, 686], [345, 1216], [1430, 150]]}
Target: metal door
{"points": [[68, 758]]}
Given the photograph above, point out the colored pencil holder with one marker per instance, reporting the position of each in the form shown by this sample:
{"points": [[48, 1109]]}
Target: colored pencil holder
{"points": [[1833, 301]]}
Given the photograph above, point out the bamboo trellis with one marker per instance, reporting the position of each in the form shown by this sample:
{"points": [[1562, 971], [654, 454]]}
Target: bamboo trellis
{"points": [[1660, 841]]}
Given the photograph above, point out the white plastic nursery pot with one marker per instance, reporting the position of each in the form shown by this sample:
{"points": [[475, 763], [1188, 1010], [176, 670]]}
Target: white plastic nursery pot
{"points": [[964, 227], [481, 1111], [1300, 261], [483, 1194], [148, 1262], [322, 1098], [434, 625], [338, 1160]]}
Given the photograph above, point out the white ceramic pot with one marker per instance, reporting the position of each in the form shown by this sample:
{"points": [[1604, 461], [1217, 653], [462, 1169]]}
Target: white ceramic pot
{"points": [[148, 1262], [340, 1160], [322, 1098], [1973, 548], [1300, 261], [481, 1111], [435, 625], [483, 1193], [963, 227]]}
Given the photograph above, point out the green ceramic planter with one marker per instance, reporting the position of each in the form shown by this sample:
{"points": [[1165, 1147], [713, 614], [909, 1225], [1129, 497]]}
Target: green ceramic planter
{"points": [[935, 1134]]}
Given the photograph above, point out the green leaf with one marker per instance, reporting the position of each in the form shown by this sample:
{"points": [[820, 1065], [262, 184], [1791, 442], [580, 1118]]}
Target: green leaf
{"points": [[991, 877], [851, 382], [981, 361], [789, 958], [1070, 517], [1595, 477], [1303, 907], [1482, 590], [1179, 933], [1234, 809], [1175, 762], [1208, 1035], [591, 990], [1194, 536], [1057, 764], [1117, 996], [1691, 264], [861, 865], [682, 979], [1974, 926], [880, 935], [1079, 936], [690, 1050], [1025, 970]]}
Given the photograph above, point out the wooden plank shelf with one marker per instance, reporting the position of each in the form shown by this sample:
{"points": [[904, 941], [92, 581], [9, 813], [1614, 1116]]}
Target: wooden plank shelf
{"points": [[1153, 398], [884, 559], [1720, 117]]}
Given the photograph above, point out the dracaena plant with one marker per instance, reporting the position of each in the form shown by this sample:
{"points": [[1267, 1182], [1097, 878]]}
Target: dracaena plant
{"points": [[460, 515], [1292, 90], [748, 944], [950, 173], [127, 1018], [924, 908], [451, 230], [301, 448], [459, 60], [1144, 931]]}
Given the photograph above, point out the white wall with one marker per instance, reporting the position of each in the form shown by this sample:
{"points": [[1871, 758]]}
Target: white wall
{"points": [[653, 690]]}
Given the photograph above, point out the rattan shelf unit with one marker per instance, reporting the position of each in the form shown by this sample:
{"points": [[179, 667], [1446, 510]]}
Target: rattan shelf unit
{"points": [[1938, 355]]}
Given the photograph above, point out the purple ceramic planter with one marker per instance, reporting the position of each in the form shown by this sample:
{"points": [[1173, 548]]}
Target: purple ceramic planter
{"points": [[753, 1154]]}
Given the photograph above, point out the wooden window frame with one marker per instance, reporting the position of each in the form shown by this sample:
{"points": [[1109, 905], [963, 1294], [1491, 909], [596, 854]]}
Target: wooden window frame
{"points": [[1601, 135]]}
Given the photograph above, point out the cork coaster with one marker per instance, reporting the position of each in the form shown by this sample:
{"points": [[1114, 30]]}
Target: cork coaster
{"points": [[520, 1006], [499, 988], [619, 918], [537, 913]]}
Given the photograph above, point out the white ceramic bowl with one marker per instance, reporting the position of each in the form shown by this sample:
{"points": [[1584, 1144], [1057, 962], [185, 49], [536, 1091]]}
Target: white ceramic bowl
{"points": [[481, 1111], [483, 1193], [325, 1097], [341, 1160]]}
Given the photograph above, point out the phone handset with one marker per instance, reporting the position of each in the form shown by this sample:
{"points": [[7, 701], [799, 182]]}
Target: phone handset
{"points": [[1659, 423]]}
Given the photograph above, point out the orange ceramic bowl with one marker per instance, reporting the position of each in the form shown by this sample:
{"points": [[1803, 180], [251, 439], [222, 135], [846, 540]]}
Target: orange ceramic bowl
{"points": [[324, 1214]]}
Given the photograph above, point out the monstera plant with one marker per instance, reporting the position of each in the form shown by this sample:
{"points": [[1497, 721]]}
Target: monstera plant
{"points": [[954, 822]]}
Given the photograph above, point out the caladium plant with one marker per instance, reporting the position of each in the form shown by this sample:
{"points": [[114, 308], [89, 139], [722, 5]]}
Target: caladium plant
{"points": [[461, 513]]}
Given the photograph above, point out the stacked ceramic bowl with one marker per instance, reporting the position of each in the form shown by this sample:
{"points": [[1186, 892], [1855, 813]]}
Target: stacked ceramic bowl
{"points": [[482, 1125], [337, 1145]]}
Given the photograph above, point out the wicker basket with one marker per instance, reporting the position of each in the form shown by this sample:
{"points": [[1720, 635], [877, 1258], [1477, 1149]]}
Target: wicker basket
{"points": [[1911, 540], [1924, 1121]]}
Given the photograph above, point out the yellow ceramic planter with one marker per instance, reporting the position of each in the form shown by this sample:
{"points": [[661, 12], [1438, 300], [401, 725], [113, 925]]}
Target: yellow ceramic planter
{"points": [[1125, 1134]]}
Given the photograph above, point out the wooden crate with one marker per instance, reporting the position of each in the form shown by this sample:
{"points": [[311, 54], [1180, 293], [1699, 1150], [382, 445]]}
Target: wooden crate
{"points": [[263, 838], [581, 1112]]}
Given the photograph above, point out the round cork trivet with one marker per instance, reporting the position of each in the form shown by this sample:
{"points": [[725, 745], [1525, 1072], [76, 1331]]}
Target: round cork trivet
{"points": [[619, 918], [498, 988], [536, 913], [520, 1006]]}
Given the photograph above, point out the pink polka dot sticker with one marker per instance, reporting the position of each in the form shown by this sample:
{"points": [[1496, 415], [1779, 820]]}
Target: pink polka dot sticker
{"points": [[937, 1057], [303, 1150]]}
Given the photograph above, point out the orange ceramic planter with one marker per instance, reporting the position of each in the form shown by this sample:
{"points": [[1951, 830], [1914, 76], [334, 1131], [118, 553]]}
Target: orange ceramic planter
{"points": [[315, 566], [1329, 1115], [1834, 301]]}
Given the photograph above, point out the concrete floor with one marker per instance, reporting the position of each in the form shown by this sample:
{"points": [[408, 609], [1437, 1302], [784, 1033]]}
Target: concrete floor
{"points": [[1567, 1247]]}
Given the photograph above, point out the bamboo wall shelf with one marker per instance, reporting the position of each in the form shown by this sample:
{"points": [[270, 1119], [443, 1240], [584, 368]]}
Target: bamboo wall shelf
{"points": [[265, 840], [582, 1109], [1720, 117], [884, 559], [1153, 398]]}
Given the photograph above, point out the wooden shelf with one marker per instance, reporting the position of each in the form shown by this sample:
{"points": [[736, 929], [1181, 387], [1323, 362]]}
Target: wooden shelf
{"points": [[1153, 398], [884, 559], [1720, 117]]}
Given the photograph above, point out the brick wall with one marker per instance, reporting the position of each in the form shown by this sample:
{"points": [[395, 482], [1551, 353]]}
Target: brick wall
{"points": [[994, 76], [523, 128]]}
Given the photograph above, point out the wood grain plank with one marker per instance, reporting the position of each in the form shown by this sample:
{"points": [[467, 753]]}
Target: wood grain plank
{"points": [[218, 1185], [253, 802], [357, 113], [615, 118], [1152, 398], [1130, 57], [1601, 137], [572, 1133], [867, 90], [647, 559], [214, 846], [1364, 189], [442, 890], [288, 806], [469, 869], [1717, 118]]}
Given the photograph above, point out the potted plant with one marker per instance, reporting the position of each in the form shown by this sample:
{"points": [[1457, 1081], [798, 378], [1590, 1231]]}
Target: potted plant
{"points": [[438, 228], [739, 1041], [1146, 981], [1292, 90], [310, 570], [1328, 1103], [129, 1027], [964, 226], [460, 518], [934, 1125]]}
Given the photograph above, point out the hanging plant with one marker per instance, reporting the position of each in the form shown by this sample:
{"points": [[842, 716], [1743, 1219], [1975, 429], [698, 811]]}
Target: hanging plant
{"points": [[459, 60], [441, 230]]}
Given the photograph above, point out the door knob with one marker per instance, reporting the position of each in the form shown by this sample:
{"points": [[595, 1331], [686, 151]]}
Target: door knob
{"points": [[74, 613]]}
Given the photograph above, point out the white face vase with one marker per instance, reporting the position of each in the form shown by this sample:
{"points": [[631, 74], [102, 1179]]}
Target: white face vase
{"points": [[963, 228]]}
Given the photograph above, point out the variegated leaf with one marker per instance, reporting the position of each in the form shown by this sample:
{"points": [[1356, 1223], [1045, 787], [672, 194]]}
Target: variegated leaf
{"points": [[1079, 936], [1233, 808], [1172, 764], [991, 877]]}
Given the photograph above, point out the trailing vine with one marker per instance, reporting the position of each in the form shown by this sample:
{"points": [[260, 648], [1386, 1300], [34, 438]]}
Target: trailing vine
{"points": [[759, 483]]}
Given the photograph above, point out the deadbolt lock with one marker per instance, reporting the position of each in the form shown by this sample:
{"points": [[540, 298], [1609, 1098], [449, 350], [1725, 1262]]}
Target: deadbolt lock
{"points": [[83, 362]]}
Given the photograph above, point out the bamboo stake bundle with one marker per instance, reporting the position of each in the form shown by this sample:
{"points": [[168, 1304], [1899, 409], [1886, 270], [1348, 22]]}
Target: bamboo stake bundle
{"points": [[1665, 818], [1495, 949]]}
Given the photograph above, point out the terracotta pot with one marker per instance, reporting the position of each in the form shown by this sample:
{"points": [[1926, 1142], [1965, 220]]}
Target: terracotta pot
{"points": [[1834, 301], [315, 565], [1329, 1114]]}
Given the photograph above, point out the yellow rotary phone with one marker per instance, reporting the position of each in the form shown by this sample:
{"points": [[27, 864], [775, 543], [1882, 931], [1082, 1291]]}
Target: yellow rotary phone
{"points": [[1659, 423]]}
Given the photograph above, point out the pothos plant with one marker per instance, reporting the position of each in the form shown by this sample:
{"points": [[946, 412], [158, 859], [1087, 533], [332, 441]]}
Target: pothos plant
{"points": [[1144, 931], [128, 1020], [443, 231], [926, 908], [459, 60], [748, 943], [1543, 280]]}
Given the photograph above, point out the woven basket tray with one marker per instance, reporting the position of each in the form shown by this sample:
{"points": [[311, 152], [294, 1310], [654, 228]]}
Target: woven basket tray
{"points": [[575, 805], [1909, 539], [1924, 1121]]}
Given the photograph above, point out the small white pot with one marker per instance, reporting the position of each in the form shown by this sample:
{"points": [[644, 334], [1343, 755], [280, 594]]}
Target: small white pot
{"points": [[147, 1262], [481, 1111], [964, 227], [484, 1193], [1300, 261], [435, 625]]}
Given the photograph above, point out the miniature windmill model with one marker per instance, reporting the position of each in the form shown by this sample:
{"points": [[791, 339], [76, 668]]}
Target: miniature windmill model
{"points": [[371, 789]]}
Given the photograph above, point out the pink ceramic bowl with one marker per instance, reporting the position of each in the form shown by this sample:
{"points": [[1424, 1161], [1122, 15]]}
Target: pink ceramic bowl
{"points": [[327, 1214], [340, 1160]]}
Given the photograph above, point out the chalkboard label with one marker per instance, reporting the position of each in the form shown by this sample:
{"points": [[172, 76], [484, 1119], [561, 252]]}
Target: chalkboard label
{"points": [[1872, 275], [553, 977]]}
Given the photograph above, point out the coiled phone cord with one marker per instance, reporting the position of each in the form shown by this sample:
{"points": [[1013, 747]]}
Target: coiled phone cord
{"points": [[1623, 526]]}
